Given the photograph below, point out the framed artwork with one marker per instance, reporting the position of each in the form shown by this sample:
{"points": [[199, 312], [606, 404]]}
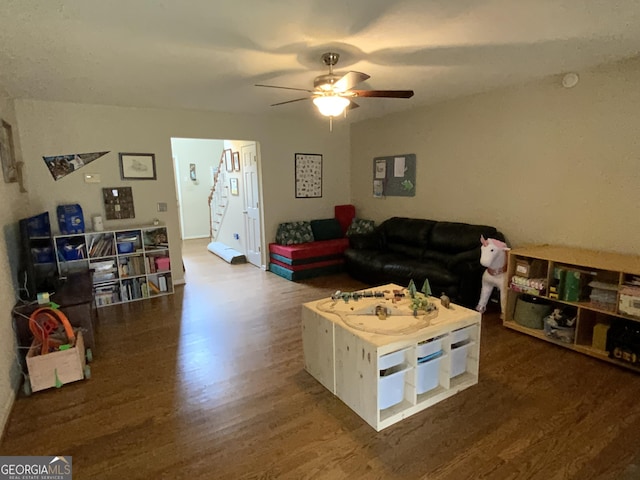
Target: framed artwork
{"points": [[233, 183], [228, 159], [308, 168], [118, 203], [7, 153], [236, 161], [137, 166]]}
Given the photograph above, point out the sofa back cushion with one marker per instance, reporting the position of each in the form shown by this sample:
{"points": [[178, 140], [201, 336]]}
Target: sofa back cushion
{"points": [[345, 215], [291, 233], [360, 226], [457, 237], [327, 229], [407, 231]]}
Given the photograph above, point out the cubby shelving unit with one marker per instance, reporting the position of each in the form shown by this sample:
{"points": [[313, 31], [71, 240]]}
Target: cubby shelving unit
{"points": [[126, 265], [614, 271]]}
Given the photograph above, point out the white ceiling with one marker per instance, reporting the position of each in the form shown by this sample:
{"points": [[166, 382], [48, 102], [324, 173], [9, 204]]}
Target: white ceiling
{"points": [[204, 54]]}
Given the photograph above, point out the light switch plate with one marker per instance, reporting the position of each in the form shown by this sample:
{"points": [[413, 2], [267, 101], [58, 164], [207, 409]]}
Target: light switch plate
{"points": [[91, 178]]}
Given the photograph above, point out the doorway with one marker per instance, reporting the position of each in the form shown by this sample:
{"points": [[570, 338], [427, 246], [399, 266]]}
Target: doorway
{"points": [[197, 164]]}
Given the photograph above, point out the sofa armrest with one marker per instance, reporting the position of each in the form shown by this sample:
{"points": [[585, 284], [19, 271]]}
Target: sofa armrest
{"points": [[366, 241]]}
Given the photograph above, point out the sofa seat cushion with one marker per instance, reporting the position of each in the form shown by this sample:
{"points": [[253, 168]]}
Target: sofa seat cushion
{"points": [[322, 248], [418, 270]]}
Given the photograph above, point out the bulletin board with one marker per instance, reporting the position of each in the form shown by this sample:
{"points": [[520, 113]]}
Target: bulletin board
{"points": [[394, 176]]}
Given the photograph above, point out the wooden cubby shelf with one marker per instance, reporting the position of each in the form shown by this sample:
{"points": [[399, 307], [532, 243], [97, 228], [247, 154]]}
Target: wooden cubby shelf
{"points": [[586, 283]]}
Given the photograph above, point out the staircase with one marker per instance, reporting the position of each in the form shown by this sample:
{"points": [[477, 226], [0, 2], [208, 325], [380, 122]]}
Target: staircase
{"points": [[218, 200]]}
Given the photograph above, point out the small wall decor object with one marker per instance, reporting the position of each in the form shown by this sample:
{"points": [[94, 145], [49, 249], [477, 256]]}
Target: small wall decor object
{"points": [[137, 166], [192, 172], [236, 161], [228, 159], [7, 153], [394, 176], [233, 182], [118, 203], [308, 169], [62, 165]]}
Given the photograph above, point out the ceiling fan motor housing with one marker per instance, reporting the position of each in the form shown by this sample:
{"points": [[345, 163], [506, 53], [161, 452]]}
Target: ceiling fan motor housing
{"points": [[324, 82]]}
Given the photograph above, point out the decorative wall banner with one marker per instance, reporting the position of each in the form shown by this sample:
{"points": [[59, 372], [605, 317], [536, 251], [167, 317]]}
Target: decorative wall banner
{"points": [[62, 165], [308, 175]]}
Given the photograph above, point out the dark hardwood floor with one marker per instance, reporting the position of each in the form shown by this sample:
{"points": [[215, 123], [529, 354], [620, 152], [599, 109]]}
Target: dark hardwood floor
{"points": [[209, 384]]}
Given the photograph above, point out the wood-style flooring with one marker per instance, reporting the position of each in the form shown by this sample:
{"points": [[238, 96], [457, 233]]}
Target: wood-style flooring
{"points": [[209, 384]]}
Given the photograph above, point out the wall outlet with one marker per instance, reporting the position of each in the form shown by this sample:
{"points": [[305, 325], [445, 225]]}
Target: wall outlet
{"points": [[162, 206]]}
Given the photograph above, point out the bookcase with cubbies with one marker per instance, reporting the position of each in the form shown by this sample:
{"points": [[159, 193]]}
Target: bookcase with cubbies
{"points": [[584, 300], [126, 265]]}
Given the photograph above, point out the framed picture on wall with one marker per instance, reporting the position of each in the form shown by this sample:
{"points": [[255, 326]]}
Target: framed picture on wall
{"points": [[228, 159], [236, 161], [233, 183], [308, 169], [137, 166]]}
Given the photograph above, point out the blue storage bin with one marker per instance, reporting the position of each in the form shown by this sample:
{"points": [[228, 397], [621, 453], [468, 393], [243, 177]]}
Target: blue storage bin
{"points": [[70, 219], [125, 247]]}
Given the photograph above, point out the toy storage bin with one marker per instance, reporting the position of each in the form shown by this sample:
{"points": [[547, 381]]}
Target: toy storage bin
{"points": [[125, 247], [391, 386], [459, 359], [391, 360], [163, 264], [392, 369], [429, 347], [461, 335], [428, 374]]}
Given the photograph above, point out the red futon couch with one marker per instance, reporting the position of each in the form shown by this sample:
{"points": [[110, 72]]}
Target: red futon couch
{"points": [[309, 249]]}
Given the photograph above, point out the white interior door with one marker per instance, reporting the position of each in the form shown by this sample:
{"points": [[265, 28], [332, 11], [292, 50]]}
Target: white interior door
{"points": [[251, 203]]}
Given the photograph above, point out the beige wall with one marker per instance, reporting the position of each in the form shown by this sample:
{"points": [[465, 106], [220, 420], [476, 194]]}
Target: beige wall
{"points": [[13, 206], [50, 128], [542, 163]]}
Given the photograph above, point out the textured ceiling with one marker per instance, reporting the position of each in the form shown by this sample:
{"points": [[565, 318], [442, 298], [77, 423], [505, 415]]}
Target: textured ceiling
{"points": [[203, 54]]}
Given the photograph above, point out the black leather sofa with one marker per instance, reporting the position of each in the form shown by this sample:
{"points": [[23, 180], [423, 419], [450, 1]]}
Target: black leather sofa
{"points": [[401, 249]]}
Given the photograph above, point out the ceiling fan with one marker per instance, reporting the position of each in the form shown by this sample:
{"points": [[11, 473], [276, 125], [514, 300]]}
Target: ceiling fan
{"points": [[333, 94]]}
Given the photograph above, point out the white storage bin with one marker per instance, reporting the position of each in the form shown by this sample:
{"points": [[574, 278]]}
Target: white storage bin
{"points": [[391, 360], [459, 359], [428, 375], [391, 388], [460, 335], [429, 347]]}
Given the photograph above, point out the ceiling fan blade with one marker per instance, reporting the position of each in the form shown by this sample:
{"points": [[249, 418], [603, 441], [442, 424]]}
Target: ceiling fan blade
{"points": [[349, 80], [384, 93], [285, 88], [290, 101]]}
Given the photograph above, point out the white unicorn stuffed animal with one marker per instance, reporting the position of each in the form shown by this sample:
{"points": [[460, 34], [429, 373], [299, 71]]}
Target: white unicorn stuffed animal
{"points": [[493, 256]]}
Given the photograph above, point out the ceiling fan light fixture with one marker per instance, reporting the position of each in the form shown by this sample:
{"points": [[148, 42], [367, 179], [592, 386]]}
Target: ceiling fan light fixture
{"points": [[331, 105]]}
